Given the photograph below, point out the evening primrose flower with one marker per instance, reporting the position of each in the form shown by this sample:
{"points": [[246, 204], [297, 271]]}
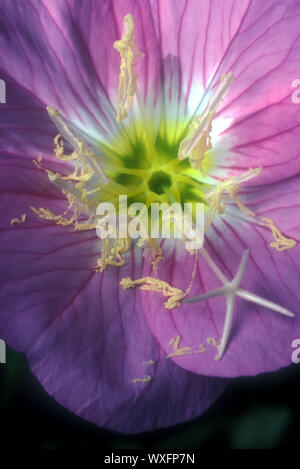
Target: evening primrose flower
{"points": [[162, 101]]}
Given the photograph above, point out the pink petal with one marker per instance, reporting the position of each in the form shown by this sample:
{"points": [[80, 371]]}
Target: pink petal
{"points": [[260, 339], [87, 340]]}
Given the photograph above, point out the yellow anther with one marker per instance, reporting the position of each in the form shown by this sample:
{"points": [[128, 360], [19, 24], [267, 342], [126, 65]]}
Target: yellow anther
{"points": [[281, 243], [49, 215], [76, 186], [127, 80], [200, 146], [82, 151], [150, 244], [198, 140], [202, 348], [82, 172], [178, 351], [111, 253], [213, 341], [174, 295], [52, 111], [88, 225], [18, 221], [183, 351], [59, 150], [146, 379], [231, 186]]}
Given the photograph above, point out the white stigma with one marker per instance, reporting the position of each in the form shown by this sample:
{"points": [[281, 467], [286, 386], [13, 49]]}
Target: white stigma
{"points": [[229, 290]]}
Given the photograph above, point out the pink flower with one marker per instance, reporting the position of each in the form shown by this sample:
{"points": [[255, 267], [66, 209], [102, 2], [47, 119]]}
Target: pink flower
{"points": [[119, 357]]}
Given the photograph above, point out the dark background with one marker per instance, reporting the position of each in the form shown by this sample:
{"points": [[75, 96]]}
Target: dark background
{"points": [[256, 412]]}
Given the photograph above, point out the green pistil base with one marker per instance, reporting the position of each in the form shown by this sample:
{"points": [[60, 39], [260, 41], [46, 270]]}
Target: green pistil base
{"points": [[148, 171]]}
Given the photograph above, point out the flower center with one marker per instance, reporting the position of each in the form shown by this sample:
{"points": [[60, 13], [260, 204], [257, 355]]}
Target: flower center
{"points": [[159, 182], [148, 171]]}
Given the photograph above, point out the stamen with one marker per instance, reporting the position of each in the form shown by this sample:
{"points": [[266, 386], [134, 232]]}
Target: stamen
{"points": [[74, 185], [213, 341], [83, 151], [185, 351], [281, 242], [18, 221], [76, 190], [127, 80], [178, 351], [146, 379], [112, 253], [156, 252], [175, 295], [198, 140], [49, 215], [76, 202], [154, 284], [231, 186]]}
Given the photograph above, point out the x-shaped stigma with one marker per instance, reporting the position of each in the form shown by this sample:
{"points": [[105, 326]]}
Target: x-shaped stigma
{"points": [[230, 290]]}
